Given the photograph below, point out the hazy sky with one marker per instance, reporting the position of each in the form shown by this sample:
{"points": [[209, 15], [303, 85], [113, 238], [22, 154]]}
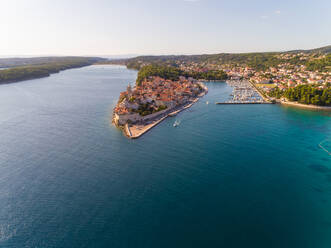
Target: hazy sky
{"points": [[107, 27]]}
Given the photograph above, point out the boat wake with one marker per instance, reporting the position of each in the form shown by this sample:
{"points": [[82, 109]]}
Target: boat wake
{"points": [[324, 147]]}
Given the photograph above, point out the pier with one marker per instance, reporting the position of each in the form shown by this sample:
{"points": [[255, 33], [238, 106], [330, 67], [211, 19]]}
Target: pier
{"points": [[243, 103]]}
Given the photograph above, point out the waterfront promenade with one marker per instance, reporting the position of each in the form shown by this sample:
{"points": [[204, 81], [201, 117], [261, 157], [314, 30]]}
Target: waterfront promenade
{"points": [[137, 130]]}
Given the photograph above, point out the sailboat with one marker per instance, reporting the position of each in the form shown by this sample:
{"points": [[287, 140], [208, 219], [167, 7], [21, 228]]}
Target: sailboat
{"points": [[176, 123], [207, 102]]}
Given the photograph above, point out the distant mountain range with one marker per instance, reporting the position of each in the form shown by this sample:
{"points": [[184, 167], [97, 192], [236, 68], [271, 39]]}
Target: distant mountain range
{"points": [[325, 49]]}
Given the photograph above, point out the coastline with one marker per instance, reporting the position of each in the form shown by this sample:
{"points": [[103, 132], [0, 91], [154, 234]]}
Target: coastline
{"points": [[136, 131], [32, 71], [306, 106], [26, 79]]}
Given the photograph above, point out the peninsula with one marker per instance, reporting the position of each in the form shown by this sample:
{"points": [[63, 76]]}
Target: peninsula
{"points": [[153, 99]]}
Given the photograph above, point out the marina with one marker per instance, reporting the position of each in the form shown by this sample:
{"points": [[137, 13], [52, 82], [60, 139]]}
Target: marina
{"points": [[244, 93]]}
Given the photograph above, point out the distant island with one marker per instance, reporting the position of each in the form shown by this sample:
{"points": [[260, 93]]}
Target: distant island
{"points": [[19, 69], [159, 92], [300, 77]]}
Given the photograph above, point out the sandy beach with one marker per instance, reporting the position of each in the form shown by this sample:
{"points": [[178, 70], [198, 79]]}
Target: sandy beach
{"points": [[300, 105]]}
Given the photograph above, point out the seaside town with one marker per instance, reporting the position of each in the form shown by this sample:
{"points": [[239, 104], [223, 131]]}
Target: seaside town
{"points": [[266, 71], [287, 78], [153, 99], [283, 75]]}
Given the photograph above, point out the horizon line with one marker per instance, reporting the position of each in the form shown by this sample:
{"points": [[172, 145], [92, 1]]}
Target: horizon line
{"points": [[127, 55]]}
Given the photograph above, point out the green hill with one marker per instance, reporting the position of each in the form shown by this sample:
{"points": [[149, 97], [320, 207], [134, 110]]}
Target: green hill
{"points": [[257, 61]]}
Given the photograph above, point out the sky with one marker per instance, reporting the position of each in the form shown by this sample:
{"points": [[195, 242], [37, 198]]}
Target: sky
{"points": [[157, 27]]}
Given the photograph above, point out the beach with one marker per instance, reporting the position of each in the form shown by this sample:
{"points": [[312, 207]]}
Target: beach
{"points": [[300, 105]]}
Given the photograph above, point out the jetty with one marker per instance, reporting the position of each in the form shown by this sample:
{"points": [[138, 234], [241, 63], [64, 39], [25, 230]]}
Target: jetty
{"points": [[245, 92], [243, 103]]}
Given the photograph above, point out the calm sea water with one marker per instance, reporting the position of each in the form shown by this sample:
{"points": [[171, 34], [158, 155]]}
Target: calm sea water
{"points": [[228, 176]]}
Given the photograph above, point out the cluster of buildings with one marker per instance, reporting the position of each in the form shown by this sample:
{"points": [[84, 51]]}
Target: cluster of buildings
{"points": [[290, 72], [154, 96], [285, 75], [288, 76], [300, 56]]}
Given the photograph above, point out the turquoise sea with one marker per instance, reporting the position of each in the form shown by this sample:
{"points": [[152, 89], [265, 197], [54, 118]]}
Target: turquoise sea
{"points": [[228, 176]]}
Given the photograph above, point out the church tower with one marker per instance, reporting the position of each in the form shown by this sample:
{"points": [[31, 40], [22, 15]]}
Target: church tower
{"points": [[129, 90]]}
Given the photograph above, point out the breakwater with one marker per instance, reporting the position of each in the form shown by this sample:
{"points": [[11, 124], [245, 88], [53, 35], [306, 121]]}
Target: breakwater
{"points": [[243, 103]]}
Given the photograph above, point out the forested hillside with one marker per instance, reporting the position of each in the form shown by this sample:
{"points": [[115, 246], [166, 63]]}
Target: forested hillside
{"points": [[37, 69]]}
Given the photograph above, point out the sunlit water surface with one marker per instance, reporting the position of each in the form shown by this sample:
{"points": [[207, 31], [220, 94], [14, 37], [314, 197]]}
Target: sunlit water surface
{"points": [[228, 176]]}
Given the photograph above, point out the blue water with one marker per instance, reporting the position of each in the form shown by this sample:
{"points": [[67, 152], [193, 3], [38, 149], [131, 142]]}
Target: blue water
{"points": [[228, 176]]}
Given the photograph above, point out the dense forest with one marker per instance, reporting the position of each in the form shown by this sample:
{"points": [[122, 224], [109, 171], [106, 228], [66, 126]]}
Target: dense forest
{"points": [[323, 64], [173, 73], [26, 72], [166, 72], [305, 94], [15, 62], [209, 75], [146, 109]]}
